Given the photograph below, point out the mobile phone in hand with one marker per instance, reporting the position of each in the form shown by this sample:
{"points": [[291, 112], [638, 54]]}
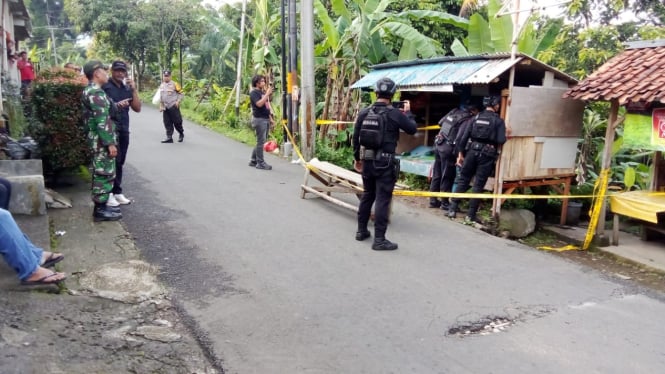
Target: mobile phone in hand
{"points": [[398, 104]]}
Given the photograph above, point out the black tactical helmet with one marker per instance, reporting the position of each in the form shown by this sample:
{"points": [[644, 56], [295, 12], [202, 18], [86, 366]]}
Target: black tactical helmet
{"points": [[491, 101], [385, 87]]}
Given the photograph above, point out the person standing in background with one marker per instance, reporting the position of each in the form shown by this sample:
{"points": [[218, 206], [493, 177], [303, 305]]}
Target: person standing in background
{"points": [[121, 89], [170, 96], [27, 71], [260, 100]]}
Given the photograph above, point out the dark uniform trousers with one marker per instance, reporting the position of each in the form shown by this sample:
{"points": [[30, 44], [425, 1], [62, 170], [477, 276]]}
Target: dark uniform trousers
{"points": [[479, 164], [172, 118], [379, 177], [443, 171], [123, 146]]}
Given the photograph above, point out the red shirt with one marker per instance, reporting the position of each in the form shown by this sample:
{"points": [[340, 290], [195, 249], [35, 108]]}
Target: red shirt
{"points": [[26, 69]]}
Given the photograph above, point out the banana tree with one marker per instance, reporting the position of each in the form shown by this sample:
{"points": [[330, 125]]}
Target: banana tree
{"points": [[265, 25], [364, 33], [495, 35]]}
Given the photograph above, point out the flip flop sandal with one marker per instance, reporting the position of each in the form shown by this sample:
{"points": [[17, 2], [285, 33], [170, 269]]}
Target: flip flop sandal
{"points": [[52, 260], [43, 281]]}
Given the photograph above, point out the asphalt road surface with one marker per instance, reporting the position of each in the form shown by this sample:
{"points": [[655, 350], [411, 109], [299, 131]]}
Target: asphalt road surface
{"points": [[277, 284]]}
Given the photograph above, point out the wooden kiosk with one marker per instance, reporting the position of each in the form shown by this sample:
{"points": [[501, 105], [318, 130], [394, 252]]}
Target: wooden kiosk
{"points": [[545, 128]]}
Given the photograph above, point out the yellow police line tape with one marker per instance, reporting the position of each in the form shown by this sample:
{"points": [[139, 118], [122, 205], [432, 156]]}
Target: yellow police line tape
{"points": [[320, 122], [600, 193], [568, 247]]}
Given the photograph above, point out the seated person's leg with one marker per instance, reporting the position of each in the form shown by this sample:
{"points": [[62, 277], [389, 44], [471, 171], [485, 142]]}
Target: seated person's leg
{"points": [[5, 193], [19, 253]]}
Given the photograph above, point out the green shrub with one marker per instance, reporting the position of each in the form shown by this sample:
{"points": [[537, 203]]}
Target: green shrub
{"points": [[340, 155], [57, 123], [12, 107]]}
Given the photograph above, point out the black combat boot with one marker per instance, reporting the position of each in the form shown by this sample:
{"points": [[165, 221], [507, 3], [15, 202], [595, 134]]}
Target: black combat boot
{"points": [[472, 219], [383, 244], [362, 235], [452, 210], [434, 203], [181, 137], [103, 213], [168, 140], [114, 209]]}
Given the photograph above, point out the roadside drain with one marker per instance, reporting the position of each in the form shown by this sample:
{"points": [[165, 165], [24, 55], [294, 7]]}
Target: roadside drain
{"points": [[484, 326]]}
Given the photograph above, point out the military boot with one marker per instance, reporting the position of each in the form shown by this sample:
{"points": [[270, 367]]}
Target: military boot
{"points": [[114, 209], [383, 244], [168, 140], [104, 213], [362, 235], [452, 210]]}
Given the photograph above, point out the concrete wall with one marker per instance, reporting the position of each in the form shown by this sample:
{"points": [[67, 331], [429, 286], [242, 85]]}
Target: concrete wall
{"points": [[27, 179]]}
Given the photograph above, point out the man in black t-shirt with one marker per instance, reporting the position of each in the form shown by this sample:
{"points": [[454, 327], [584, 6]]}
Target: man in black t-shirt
{"points": [[122, 90], [260, 101]]}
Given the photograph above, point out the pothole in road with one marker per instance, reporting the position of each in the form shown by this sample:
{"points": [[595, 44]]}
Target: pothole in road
{"points": [[485, 326]]}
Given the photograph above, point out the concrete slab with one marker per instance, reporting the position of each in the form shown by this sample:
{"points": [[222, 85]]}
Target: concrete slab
{"points": [[631, 247], [21, 167], [27, 195]]}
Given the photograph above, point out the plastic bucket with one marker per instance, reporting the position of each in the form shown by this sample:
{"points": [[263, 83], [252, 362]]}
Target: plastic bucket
{"points": [[573, 213]]}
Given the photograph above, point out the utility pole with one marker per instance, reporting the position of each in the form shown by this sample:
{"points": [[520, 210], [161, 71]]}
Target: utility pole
{"points": [[48, 24], [293, 69], [239, 65], [282, 32], [308, 122]]}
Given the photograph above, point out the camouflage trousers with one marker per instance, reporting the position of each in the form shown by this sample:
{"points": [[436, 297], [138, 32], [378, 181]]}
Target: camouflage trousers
{"points": [[103, 175]]}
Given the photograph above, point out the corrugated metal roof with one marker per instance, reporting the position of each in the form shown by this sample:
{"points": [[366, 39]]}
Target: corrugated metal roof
{"points": [[481, 69]]}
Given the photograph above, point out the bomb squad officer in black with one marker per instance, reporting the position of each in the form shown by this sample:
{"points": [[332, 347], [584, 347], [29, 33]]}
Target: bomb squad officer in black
{"points": [[482, 138], [378, 166]]}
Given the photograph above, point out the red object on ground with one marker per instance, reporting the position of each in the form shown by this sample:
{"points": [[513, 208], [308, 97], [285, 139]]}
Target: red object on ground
{"points": [[270, 146]]}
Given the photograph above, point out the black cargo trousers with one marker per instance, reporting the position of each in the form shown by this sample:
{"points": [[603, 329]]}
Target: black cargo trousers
{"points": [[379, 178], [479, 162]]}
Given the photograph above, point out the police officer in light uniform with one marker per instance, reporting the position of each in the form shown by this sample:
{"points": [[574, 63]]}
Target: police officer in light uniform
{"points": [[483, 138], [379, 167]]}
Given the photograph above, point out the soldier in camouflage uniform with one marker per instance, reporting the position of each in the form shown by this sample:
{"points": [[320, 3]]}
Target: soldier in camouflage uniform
{"points": [[96, 110]]}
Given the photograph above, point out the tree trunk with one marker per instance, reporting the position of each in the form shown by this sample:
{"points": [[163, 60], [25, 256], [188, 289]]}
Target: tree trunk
{"points": [[326, 101]]}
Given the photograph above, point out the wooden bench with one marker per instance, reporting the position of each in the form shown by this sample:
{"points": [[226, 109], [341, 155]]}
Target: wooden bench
{"points": [[334, 179]]}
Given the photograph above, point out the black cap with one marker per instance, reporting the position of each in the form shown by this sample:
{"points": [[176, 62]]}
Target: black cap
{"points": [[167, 72], [90, 67], [119, 65]]}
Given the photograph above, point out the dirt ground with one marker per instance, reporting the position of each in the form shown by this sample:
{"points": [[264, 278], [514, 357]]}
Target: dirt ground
{"points": [[606, 263]]}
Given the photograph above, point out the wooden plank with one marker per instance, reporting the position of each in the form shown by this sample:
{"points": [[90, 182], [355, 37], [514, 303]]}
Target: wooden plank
{"points": [[540, 111], [521, 160], [337, 171], [329, 198]]}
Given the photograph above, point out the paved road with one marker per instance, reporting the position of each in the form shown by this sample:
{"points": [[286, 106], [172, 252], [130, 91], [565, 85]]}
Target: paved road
{"points": [[277, 284]]}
